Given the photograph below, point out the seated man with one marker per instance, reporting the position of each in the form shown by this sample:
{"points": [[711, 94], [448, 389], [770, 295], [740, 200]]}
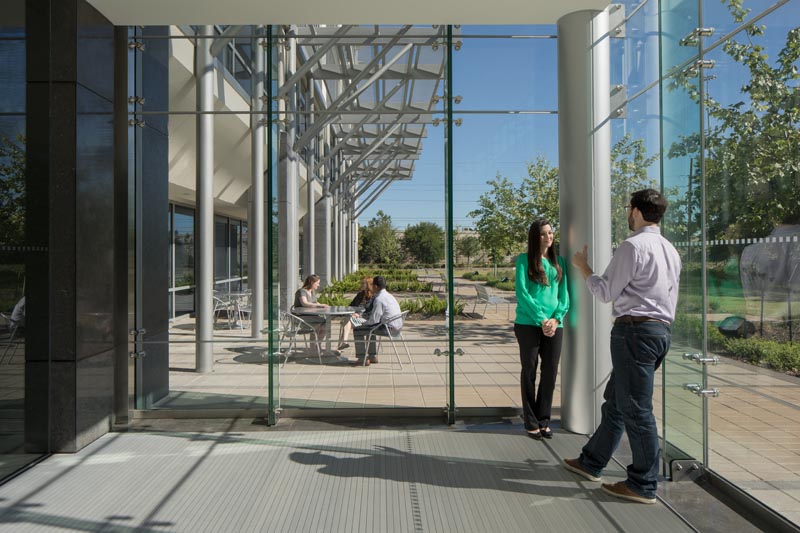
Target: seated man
{"points": [[18, 314], [384, 306]]}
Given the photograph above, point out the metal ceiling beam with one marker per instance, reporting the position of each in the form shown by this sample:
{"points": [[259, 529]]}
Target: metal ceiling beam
{"points": [[352, 91], [224, 39], [313, 60]]}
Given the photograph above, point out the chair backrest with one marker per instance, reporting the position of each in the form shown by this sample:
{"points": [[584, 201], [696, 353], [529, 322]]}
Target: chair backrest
{"points": [[483, 294], [388, 320], [301, 327]]}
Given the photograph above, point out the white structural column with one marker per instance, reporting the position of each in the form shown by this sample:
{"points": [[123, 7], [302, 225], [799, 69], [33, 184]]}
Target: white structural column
{"points": [[288, 193], [256, 226], [204, 240], [584, 146], [322, 223], [309, 226]]}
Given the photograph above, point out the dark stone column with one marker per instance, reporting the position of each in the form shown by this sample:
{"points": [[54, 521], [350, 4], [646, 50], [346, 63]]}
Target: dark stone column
{"points": [[70, 340]]}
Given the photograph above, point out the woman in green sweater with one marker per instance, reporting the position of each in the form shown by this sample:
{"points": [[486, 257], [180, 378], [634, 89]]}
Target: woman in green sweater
{"points": [[542, 302]]}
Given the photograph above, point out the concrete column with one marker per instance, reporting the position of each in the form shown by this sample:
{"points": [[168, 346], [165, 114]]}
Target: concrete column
{"points": [[256, 223], [584, 140], [288, 191], [204, 239]]}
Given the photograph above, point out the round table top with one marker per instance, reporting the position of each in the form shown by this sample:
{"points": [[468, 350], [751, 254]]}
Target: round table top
{"points": [[333, 310]]}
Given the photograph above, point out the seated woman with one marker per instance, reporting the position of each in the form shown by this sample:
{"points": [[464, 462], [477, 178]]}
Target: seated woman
{"points": [[362, 299], [306, 299]]}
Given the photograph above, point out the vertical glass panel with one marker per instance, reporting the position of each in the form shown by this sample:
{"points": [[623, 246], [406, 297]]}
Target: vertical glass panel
{"points": [[171, 375], [14, 252], [679, 19], [683, 378], [753, 272], [634, 58], [502, 183], [368, 189]]}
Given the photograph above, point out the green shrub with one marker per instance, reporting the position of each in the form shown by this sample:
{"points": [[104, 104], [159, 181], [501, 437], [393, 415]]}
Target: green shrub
{"points": [[334, 299], [778, 355], [429, 306]]}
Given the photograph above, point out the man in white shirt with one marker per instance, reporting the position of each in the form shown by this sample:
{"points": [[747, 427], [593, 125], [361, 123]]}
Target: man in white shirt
{"points": [[384, 307], [642, 280]]}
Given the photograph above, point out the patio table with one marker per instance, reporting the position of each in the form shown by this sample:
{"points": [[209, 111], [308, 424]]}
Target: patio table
{"points": [[329, 314]]}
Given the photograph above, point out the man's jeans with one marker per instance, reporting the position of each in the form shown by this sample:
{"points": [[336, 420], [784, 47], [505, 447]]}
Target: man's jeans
{"points": [[637, 350]]}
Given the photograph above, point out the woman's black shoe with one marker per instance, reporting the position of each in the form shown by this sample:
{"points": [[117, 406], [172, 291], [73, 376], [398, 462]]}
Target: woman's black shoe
{"points": [[546, 433], [535, 435]]}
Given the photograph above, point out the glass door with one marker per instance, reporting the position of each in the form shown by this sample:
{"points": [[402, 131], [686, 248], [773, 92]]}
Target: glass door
{"points": [[684, 371]]}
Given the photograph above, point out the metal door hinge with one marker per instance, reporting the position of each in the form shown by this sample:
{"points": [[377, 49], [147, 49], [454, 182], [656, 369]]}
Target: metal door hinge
{"points": [[137, 355]]}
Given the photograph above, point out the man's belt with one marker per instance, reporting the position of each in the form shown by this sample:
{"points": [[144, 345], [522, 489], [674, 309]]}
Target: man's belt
{"points": [[631, 319]]}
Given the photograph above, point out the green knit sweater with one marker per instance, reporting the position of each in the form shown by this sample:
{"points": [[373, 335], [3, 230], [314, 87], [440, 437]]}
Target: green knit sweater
{"points": [[537, 303]]}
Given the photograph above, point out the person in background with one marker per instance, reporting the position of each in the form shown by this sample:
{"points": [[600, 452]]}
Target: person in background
{"points": [[306, 299], [642, 280], [384, 307], [362, 299], [18, 314], [542, 302]]}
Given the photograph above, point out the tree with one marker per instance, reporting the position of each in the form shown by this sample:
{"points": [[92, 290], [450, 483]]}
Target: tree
{"points": [[469, 246], [377, 242], [752, 170], [539, 193], [12, 190], [629, 167], [497, 218], [506, 212], [425, 241]]}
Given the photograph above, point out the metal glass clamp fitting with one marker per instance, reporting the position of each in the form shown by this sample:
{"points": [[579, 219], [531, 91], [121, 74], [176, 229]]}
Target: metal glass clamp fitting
{"points": [[700, 360], [696, 388]]}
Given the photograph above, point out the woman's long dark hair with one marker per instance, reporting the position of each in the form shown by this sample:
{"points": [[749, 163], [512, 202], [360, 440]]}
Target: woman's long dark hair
{"points": [[536, 272], [310, 280]]}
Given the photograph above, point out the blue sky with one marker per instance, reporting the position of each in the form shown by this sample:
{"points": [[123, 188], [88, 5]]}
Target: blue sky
{"points": [[490, 74], [520, 75]]}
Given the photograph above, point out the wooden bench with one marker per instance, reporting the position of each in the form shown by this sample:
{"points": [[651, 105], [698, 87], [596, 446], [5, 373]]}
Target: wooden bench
{"points": [[489, 299]]}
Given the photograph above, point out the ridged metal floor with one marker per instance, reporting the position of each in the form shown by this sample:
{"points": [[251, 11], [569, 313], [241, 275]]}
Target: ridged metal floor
{"points": [[478, 479]]}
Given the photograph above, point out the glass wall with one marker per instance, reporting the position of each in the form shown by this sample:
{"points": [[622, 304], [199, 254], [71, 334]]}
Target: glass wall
{"points": [[13, 243], [717, 130], [752, 216]]}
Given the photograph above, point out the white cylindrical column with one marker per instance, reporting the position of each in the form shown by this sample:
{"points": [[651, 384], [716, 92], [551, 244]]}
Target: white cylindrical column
{"points": [[204, 239], [256, 224], [584, 140]]}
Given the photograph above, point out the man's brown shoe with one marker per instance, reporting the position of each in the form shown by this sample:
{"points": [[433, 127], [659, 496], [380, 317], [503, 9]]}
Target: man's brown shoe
{"points": [[372, 359], [621, 490], [574, 465]]}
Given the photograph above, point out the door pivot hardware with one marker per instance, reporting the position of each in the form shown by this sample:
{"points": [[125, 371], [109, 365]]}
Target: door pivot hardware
{"points": [[696, 388], [140, 331], [700, 360], [136, 355], [437, 352]]}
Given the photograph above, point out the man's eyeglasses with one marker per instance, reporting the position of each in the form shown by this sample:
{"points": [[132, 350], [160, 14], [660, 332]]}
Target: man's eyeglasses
{"points": [[628, 207]]}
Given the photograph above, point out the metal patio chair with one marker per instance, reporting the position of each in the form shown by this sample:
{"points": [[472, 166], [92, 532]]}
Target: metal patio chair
{"points": [[382, 330]]}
